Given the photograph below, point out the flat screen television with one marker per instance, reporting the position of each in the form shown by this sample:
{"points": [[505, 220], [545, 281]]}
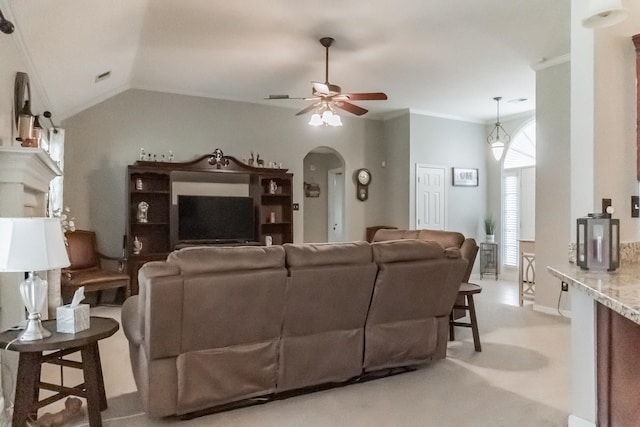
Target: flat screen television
{"points": [[215, 219]]}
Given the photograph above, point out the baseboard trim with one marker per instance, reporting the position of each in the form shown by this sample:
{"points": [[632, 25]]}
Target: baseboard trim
{"points": [[550, 310], [579, 422]]}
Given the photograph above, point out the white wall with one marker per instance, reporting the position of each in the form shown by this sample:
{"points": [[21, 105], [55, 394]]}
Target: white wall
{"points": [[101, 141], [553, 202], [397, 147], [451, 143], [615, 121]]}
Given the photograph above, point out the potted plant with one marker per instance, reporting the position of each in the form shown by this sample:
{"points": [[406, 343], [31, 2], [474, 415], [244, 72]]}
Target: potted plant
{"points": [[490, 228]]}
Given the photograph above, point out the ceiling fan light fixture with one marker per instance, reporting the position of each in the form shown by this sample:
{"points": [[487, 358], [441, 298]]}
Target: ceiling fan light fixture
{"points": [[326, 116], [496, 141], [335, 120], [316, 120]]}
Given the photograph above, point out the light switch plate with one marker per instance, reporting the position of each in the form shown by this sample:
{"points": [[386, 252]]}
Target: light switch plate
{"points": [[635, 208]]}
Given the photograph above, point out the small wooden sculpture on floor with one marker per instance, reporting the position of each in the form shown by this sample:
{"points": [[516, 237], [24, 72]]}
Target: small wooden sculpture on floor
{"points": [[73, 408]]}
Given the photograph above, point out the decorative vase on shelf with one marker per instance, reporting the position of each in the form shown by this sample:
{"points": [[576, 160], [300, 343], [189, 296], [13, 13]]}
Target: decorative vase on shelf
{"points": [[137, 246], [491, 238]]}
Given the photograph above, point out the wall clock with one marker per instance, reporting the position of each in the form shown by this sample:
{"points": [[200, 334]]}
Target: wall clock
{"points": [[363, 179]]}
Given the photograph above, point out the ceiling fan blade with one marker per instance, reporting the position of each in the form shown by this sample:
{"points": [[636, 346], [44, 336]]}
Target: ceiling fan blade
{"points": [[278, 96], [372, 96], [309, 108], [354, 109]]}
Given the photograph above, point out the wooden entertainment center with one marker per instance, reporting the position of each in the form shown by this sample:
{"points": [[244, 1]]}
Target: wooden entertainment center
{"points": [[152, 183]]}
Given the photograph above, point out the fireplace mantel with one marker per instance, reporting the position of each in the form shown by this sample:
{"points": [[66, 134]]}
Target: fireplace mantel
{"points": [[31, 167], [25, 175]]}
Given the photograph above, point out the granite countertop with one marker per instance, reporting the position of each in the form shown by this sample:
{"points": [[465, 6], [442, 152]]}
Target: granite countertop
{"points": [[619, 290]]}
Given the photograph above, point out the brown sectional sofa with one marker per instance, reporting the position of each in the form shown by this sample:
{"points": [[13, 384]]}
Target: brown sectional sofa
{"points": [[216, 325]]}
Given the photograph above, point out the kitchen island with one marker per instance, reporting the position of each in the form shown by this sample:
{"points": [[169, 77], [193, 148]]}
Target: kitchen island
{"points": [[605, 345]]}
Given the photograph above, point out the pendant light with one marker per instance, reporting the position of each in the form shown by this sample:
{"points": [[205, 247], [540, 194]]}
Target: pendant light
{"points": [[497, 141]]}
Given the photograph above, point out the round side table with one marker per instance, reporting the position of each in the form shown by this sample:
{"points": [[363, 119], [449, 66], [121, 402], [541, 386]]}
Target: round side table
{"points": [[28, 385]]}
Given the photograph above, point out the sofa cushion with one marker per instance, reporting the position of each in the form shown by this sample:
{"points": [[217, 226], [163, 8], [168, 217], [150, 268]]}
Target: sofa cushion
{"points": [[393, 234], [319, 254], [211, 259], [448, 239], [415, 288], [409, 250], [328, 296], [214, 377]]}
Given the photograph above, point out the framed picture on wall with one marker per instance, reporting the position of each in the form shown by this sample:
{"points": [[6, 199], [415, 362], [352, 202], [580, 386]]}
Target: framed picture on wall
{"points": [[465, 177]]}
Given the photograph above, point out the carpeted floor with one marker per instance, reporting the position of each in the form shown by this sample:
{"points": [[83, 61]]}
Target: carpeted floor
{"points": [[519, 379]]}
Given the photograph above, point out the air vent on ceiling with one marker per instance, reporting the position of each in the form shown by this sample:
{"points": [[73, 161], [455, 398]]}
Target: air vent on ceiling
{"points": [[103, 76]]}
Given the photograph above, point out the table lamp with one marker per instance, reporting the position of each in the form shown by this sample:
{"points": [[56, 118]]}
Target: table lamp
{"points": [[31, 245]]}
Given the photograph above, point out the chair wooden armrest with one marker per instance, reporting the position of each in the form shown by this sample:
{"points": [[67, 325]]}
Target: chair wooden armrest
{"points": [[122, 261]]}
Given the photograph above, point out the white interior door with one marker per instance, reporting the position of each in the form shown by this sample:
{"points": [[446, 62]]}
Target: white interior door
{"points": [[430, 197], [335, 195]]}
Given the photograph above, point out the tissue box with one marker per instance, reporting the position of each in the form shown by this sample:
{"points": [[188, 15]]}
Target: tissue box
{"points": [[72, 319]]}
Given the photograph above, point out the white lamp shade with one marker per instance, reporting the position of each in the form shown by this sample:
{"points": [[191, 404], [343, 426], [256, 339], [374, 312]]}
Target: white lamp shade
{"points": [[497, 148], [605, 13], [32, 244]]}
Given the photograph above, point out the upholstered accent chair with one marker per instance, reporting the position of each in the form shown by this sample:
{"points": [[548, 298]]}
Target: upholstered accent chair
{"points": [[86, 269]]}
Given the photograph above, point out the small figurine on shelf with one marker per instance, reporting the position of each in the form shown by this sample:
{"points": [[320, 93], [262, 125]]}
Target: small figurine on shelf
{"points": [[142, 155], [259, 161], [273, 187], [139, 184], [137, 246], [251, 160], [143, 209], [170, 159]]}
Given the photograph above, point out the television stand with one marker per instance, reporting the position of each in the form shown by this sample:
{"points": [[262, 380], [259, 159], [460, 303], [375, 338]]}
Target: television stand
{"points": [[152, 190]]}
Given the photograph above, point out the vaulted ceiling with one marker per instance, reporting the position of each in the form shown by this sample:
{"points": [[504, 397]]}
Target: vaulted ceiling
{"points": [[442, 57]]}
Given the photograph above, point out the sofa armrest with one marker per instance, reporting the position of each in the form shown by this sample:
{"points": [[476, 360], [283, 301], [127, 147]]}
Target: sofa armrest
{"points": [[159, 308], [131, 319]]}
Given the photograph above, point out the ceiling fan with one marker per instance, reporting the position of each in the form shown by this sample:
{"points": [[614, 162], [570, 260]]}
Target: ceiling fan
{"points": [[326, 96]]}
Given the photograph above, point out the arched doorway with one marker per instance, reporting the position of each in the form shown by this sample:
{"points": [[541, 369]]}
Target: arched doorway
{"points": [[324, 201], [518, 192]]}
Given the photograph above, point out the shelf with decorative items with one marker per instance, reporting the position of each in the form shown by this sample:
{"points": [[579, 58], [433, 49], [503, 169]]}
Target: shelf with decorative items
{"points": [[148, 218], [275, 209], [152, 206]]}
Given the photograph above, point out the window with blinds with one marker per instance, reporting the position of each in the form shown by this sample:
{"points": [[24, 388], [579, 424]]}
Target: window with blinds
{"points": [[511, 217], [521, 153]]}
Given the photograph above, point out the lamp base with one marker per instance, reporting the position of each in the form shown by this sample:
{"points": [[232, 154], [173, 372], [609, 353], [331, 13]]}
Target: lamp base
{"points": [[33, 292], [34, 330]]}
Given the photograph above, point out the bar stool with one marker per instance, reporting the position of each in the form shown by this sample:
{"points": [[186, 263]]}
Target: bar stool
{"points": [[467, 290], [527, 276]]}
